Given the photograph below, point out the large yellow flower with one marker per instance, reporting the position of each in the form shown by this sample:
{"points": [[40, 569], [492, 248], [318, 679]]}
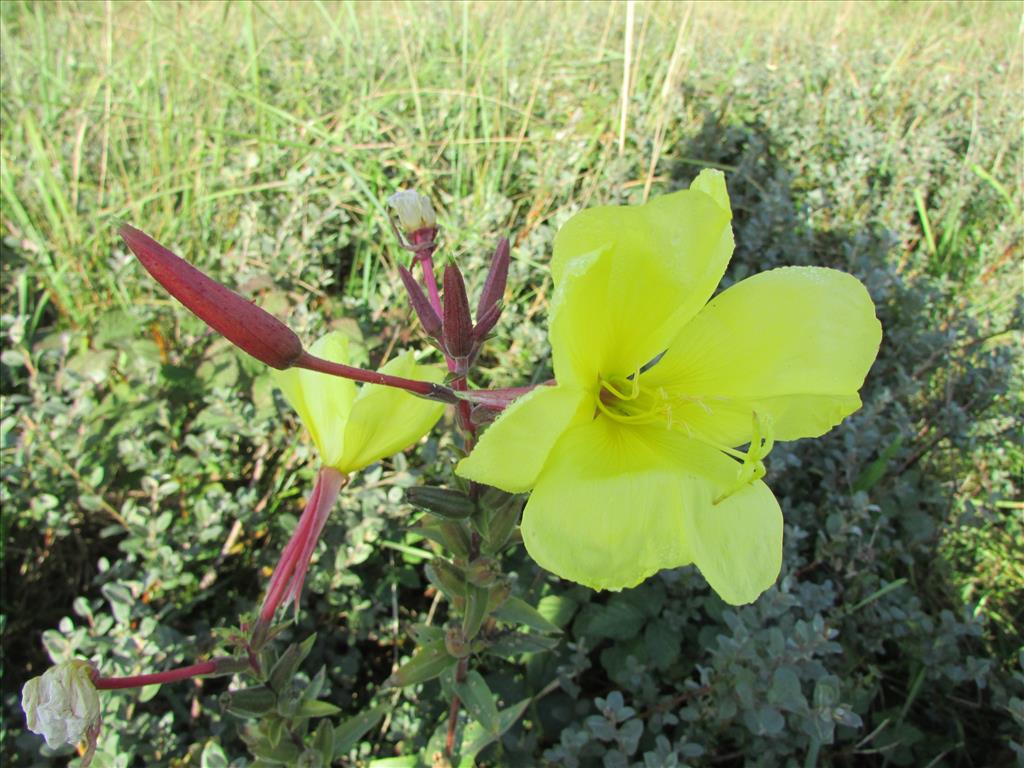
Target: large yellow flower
{"points": [[635, 465]]}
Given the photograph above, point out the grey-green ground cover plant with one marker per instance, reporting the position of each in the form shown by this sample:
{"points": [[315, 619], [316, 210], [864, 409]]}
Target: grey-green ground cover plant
{"points": [[148, 477]]}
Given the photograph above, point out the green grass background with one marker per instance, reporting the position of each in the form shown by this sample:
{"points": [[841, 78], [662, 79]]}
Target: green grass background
{"points": [[260, 141]]}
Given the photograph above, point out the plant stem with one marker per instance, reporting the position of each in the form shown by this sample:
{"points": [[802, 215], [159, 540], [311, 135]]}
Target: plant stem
{"points": [[422, 388], [453, 711], [155, 678]]}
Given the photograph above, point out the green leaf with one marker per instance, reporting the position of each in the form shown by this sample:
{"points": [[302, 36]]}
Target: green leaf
{"points": [[426, 664], [478, 700], [476, 610], [323, 741], [446, 577], [285, 753], [249, 702], [475, 738], [213, 756], [618, 620], [317, 709], [558, 609], [785, 691], [876, 470], [516, 643], [519, 612], [286, 667], [444, 503], [348, 733], [500, 524]]}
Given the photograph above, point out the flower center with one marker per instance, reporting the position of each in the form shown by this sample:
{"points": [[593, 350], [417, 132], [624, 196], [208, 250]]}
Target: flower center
{"points": [[627, 401]]}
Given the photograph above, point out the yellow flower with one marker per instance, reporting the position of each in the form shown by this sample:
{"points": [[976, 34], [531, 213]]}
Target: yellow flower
{"points": [[355, 426], [633, 457]]}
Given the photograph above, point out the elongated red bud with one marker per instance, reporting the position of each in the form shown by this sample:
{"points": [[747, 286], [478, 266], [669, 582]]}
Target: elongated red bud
{"points": [[458, 325], [241, 322], [494, 286], [486, 322], [421, 304]]}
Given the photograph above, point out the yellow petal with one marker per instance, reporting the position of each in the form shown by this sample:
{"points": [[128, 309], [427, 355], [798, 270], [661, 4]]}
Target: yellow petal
{"points": [[615, 504], [627, 278], [512, 451], [385, 420], [792, 344], [323, 402], [737, 543]]}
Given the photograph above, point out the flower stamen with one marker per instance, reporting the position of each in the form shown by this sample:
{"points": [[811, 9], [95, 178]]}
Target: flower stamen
{"points": [[752, 468]]}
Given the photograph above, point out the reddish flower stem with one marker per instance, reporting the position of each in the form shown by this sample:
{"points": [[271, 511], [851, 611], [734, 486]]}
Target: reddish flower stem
{"points": [[422, 388], [155, 678], [423, 247], [427, 262]]}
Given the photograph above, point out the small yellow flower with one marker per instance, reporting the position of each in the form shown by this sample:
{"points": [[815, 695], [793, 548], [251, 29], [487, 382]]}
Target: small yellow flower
{"points": [[62, 704], [634, 458], [354, 426]]}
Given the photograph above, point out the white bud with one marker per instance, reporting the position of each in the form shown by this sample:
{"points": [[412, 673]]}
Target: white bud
{"points": [[413, 210], [62, 704]]}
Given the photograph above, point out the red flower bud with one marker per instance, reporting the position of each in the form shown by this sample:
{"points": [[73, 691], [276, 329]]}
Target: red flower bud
{"points": [[486, 322], [494, 286], [428, 317], [458, 325], [241, 322]]}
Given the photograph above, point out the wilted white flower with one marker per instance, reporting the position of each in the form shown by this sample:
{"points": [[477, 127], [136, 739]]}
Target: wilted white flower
{"points": [[62, 704], [414, 211]]}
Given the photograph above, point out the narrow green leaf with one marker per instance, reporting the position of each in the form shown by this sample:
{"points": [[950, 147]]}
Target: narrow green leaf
{"points": [[519, 612], [317, 709], [286, 667], [249, 702], [476, 610], [348, 733], [444, 503], [478, 700], [426, 664], [475, 738]]}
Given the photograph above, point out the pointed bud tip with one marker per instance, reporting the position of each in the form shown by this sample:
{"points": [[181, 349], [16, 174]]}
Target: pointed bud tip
{"points": [[241, 322], [497, 277]]}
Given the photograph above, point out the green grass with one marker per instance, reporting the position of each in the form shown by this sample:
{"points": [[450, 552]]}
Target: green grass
{"points": [[260, 141]]}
